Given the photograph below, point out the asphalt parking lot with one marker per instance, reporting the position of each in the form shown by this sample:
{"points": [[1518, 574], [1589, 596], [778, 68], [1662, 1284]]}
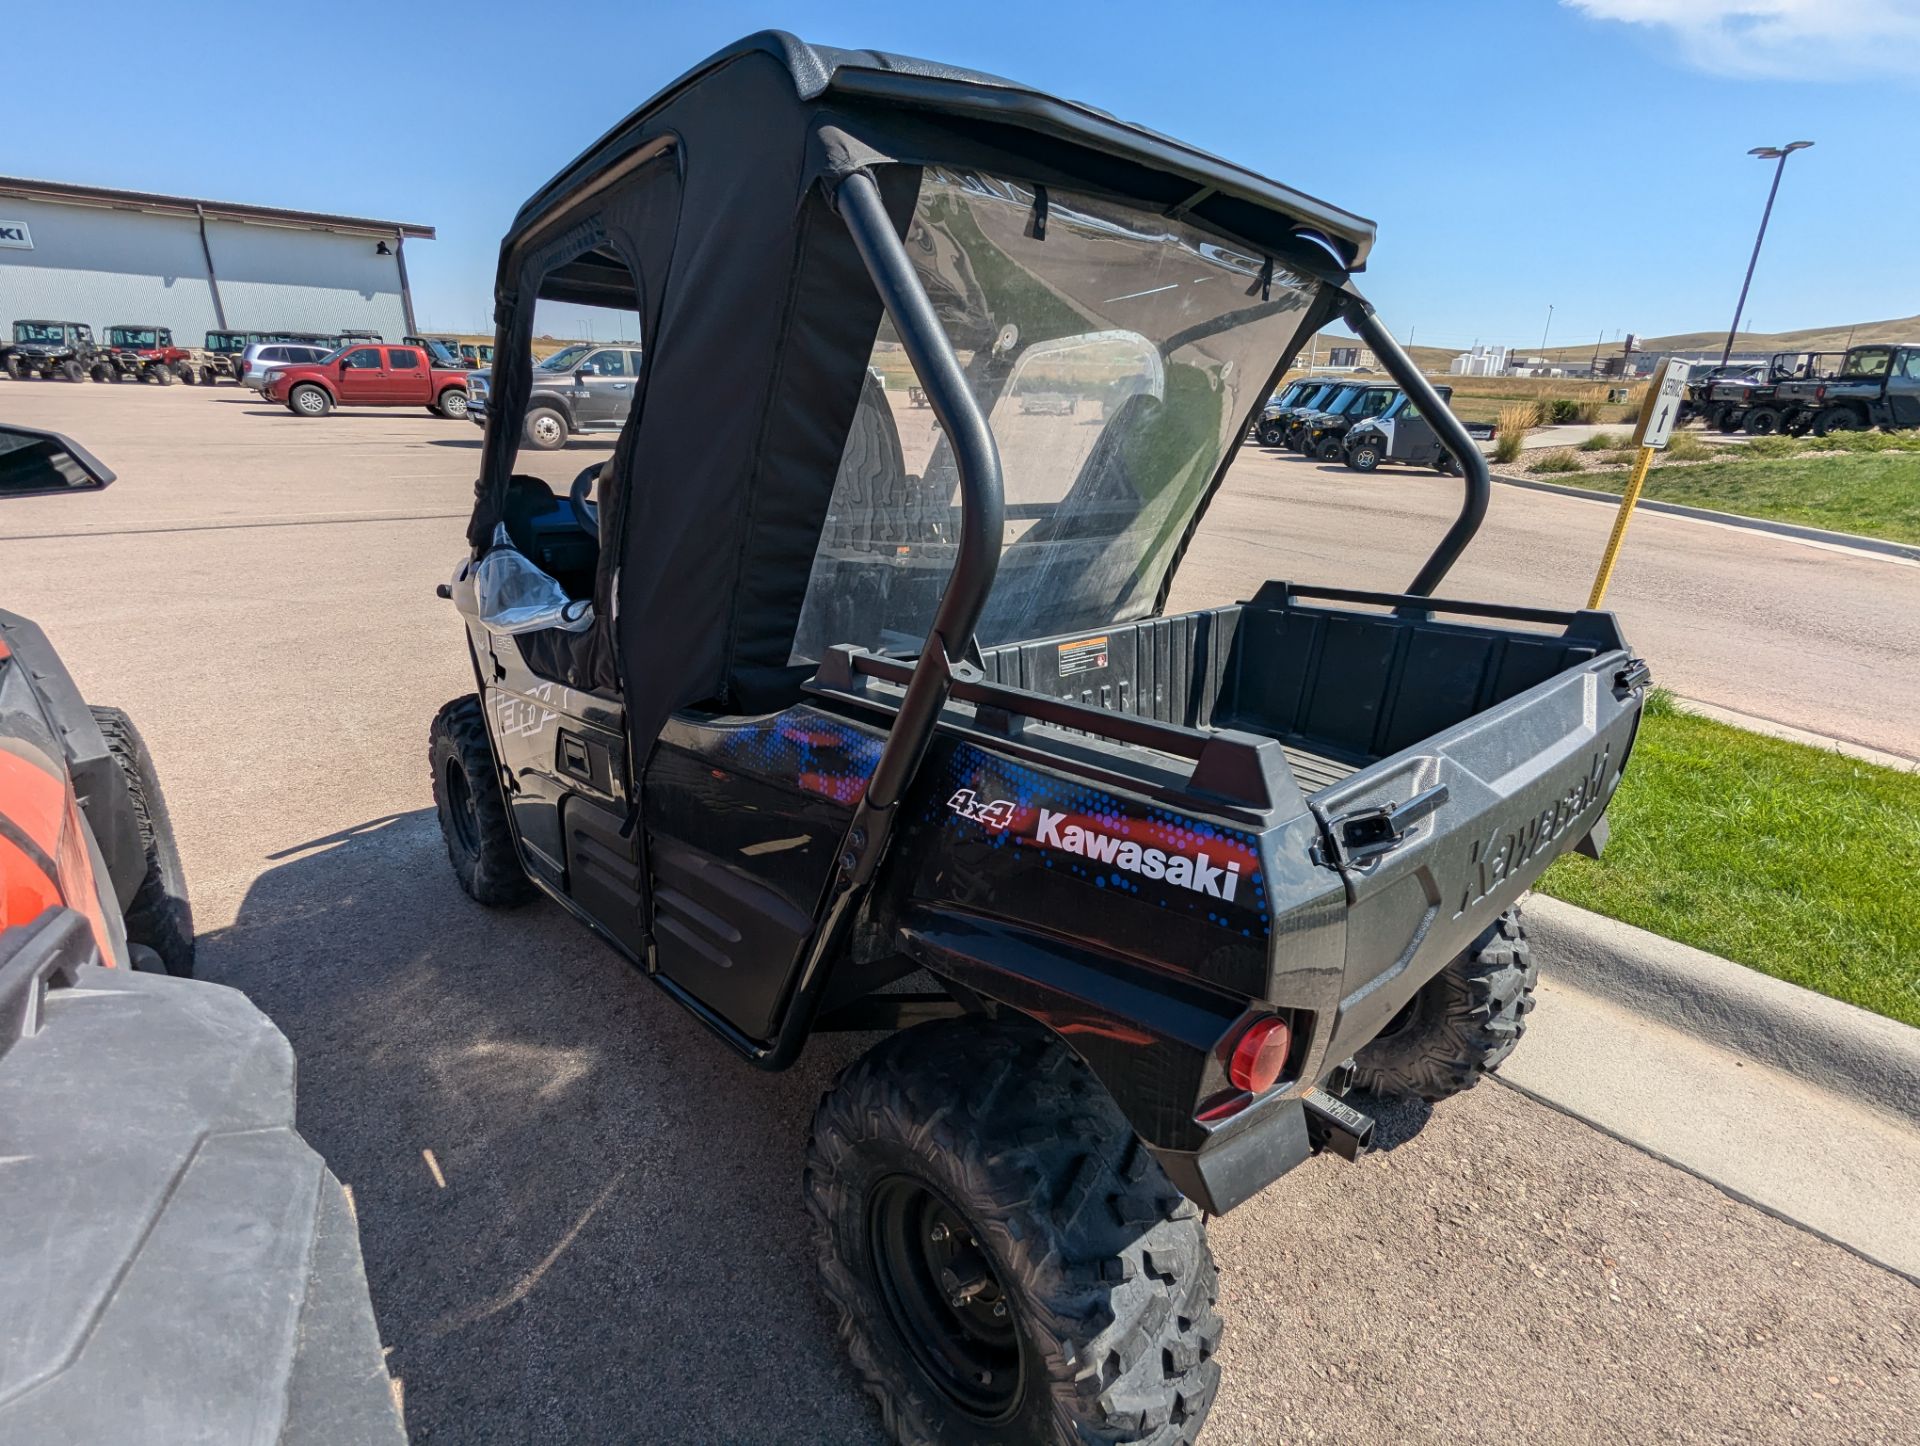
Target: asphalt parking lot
{"points": [[582, 1220]]}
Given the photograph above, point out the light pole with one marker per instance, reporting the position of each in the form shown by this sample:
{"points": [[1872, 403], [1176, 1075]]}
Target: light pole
{"points": [[1545, 329], [1765, 153]]}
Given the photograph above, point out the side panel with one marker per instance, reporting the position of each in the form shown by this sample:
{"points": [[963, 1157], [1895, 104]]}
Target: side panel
{"points": [[743, 820], [1524, 782]]}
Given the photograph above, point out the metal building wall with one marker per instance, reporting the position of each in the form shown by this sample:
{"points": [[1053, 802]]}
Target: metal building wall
{"points": [[105, 266]]}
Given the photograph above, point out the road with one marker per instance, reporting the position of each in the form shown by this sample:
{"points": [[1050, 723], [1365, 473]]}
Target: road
{"points": [[618, 1250], [1803, 635]]}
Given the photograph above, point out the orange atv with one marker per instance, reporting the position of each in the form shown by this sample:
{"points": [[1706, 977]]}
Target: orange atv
{"points": [[83, 823], [177, 1263]]}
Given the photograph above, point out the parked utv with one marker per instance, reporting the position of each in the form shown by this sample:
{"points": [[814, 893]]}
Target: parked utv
{"points": [[801, 696], [1696, 399], [1875, 386], [1278, 416], [49, 349], [1750, 403], [147, 353], [1401, 433], [1268, 431], [1324, 434]]}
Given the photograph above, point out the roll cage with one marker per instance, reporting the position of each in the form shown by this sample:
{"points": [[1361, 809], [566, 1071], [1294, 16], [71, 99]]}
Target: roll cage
{"points": [[797, 169]]}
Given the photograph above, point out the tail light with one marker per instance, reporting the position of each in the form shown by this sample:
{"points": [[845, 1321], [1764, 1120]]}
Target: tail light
{"points": [[1260, 1055]]}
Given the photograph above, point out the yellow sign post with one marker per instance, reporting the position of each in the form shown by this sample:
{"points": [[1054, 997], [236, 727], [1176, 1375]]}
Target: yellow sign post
{"points": [[1650, 434]]}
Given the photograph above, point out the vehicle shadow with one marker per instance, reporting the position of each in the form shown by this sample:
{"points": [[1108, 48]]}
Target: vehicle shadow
{"points": [[581, 1216]]}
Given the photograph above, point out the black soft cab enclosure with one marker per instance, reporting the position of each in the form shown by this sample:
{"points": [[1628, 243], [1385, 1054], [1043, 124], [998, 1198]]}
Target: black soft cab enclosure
{"points": [[835, 710]]}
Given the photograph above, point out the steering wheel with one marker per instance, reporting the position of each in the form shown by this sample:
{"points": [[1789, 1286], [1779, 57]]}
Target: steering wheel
{"points": [[586, 512]]}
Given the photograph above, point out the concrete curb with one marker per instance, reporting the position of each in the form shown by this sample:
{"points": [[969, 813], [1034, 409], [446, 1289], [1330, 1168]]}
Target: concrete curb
{"points": [[1848, 540], [1830, 1044]]}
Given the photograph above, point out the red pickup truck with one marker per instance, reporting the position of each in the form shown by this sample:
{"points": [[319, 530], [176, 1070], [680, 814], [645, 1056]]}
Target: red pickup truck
{"points": [[368, 376]]}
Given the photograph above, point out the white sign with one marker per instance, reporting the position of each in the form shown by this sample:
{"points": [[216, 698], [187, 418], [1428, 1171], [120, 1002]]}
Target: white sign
{"points": [[15, 236], [1663, 405]]}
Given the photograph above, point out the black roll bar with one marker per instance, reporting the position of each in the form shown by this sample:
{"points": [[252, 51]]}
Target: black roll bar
{"points": [[1473, 466], [976, 560], [982, 502]]}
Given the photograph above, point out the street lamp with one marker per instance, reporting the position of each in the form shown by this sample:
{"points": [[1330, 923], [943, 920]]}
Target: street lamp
{"points": [[1765, 153]]}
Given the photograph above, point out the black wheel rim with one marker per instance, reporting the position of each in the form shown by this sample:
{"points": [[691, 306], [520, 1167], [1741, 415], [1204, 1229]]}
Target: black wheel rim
{"points": [[462, 817], [926, 1257]]}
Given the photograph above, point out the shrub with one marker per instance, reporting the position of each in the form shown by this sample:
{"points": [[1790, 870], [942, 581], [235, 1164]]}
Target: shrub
{"points": [[1769, 447], [1687, 447], [1563, 461], [1510, 432], [1625, 457], [1600, 442]]}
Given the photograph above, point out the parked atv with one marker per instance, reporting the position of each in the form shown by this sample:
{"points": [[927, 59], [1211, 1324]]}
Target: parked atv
{"points": [[1874, 386], [147, 354], [1324, 434], [1401, 433], [49, 349], [1278, 417], [1271, 429], [1697, 398], [1750, 402], [793, 709]]}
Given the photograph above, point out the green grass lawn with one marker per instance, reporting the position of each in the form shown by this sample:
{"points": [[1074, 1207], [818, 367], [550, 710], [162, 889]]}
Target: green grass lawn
{"points": [[1875, 493], [1800, 863]]}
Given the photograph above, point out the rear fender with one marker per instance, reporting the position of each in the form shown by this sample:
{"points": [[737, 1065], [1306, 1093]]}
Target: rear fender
{"points": [[1158, 1043]]}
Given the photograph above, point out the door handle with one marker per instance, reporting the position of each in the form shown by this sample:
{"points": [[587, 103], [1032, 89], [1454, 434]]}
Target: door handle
{"points": [[1368, 833]]}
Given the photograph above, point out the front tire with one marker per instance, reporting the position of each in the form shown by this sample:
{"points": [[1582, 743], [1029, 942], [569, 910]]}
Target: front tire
{"points": [[1464, 1021], [1364, 458], [1272, 434], [72, 370], [1007, 1260], [309, 401], [545, 430], [1330, 450], [159, 916], [472, 809]]}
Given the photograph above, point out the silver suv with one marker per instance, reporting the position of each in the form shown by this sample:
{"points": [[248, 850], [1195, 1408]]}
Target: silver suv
{"points": [[263, 356]]}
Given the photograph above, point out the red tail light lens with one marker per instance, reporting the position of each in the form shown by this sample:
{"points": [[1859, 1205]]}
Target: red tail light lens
{"points": [[1260, 1055]]}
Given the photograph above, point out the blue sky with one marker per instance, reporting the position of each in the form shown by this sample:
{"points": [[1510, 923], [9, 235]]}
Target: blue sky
{"points": [[1584, 154]]}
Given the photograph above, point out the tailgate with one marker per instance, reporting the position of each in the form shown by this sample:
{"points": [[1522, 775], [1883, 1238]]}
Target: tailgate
{"points": [[1435, 841]]}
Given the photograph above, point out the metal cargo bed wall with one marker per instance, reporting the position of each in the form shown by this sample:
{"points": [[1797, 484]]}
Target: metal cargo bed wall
{"points": [[1341, 687]]}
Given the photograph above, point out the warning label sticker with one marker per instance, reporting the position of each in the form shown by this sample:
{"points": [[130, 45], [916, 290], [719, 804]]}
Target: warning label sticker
{"points": [[1085, 656]]}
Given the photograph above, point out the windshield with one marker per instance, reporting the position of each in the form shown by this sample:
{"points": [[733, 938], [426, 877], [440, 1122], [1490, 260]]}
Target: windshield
{"points": [[1116, 356], [1868, 362], [39, 331], [566, 359], [133, 336]]}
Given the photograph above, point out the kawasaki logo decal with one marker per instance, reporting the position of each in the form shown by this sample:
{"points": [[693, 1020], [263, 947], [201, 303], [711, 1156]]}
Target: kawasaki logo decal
{"points": [[1198, 871]]}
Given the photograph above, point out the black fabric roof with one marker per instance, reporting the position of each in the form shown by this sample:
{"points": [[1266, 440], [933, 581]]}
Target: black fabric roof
{"points": [[821, 72], [758, 320]]}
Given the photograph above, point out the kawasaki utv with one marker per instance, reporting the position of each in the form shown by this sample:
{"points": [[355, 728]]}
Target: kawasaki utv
{"points": [[834, 713]]}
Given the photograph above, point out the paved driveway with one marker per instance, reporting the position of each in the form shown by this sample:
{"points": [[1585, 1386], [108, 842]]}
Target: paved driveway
{"points": [[618, 1251]]}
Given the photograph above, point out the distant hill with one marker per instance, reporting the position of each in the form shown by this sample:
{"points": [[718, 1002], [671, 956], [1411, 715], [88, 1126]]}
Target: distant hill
{"points": [[1812, 338]]}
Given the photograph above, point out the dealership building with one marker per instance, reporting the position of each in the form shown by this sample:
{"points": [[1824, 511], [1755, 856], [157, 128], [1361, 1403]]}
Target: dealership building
{"points": [[106, 258]]}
